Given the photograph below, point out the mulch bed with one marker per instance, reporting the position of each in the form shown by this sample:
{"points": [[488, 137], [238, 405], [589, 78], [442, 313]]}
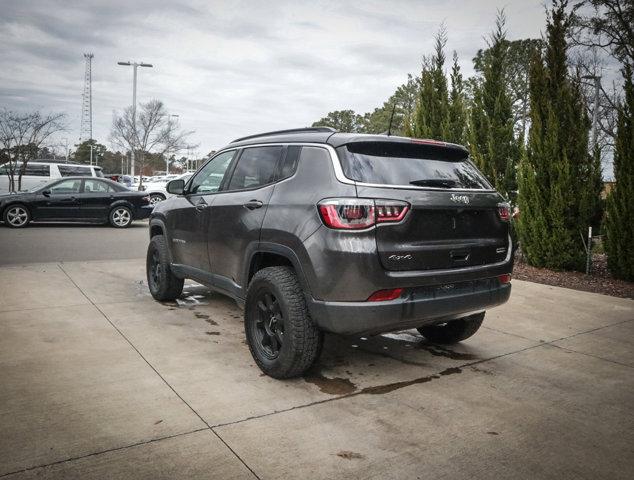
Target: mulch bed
{"points": [[599, 281]]}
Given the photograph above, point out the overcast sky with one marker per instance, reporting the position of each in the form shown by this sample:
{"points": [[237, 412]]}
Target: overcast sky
{"points": [[232, 68]]}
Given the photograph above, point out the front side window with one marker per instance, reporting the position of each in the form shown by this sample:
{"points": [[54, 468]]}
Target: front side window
{"points": [[420, 165], [92, 186], [66, 187], [74, 171], [256, 167], [209, 178]]}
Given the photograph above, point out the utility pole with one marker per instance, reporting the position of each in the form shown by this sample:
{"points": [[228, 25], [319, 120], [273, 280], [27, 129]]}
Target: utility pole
{"points": [[135, 65], [595, 125], [595, 110]]}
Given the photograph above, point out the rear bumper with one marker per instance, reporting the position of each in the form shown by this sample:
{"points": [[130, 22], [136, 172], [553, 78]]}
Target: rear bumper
{"points": [[143, 212], [417, 306]]}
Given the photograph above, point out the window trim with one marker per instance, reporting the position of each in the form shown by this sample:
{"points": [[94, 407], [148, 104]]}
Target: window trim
{"points": [[339, 175]]}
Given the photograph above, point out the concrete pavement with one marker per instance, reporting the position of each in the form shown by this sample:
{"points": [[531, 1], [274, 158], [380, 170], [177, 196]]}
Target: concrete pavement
{"points": [[100, 381]]}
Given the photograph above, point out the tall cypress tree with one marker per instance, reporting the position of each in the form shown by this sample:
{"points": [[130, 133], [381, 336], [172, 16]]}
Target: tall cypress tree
{"points": [[619, 222], [457, 110], [491, 140], [431, 118], [558, 177]]}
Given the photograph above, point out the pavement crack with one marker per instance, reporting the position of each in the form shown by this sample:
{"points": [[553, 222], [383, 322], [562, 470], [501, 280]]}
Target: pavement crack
{"points": [[101, 452], [158, 373]]}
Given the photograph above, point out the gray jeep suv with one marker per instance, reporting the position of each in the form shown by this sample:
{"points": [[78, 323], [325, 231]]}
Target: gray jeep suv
{"points": [[312, 230]]}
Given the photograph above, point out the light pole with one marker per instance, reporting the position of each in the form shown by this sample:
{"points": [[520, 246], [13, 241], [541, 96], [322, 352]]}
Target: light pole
{"points": [[167, 159], [134, 65]]}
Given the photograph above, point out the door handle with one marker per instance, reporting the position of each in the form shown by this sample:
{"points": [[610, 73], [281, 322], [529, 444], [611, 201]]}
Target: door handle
{"points": [[253, 204], [201, 206]]}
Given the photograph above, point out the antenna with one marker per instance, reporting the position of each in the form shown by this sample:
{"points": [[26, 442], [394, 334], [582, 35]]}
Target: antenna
{"points": [[389, 128], [85, 132]]}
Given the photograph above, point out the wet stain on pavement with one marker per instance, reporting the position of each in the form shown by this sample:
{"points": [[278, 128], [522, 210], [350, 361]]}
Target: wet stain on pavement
{"points": [[331, 386], [440, 351], [390, 387]]}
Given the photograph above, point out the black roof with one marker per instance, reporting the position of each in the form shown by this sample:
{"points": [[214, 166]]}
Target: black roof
{"points": [[331, 137]]}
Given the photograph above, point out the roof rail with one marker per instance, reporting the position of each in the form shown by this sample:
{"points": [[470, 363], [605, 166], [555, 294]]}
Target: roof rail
{"points": [[292, 130]]}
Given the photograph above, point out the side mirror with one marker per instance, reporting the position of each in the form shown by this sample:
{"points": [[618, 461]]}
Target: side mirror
{"points": [[176, 187], [46, 193]]}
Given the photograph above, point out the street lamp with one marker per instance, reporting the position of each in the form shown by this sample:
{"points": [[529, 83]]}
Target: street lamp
{"points": [[167, 158], [135, 65]]}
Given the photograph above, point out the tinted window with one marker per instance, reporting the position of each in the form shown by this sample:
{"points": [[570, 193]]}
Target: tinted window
{"points": [[66, 187], [256, 167], [410, 164], [209, 178], [74, 171], [37, 170], [289, 165], [91, 186]]}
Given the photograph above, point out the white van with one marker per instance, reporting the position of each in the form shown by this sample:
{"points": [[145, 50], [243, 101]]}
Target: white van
{"points": [[39, 173]]}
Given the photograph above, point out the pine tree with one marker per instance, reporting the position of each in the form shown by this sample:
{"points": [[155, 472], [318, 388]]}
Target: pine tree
{"points": [[619, 222], [431, 118], [457, 110], [558, 177], [491, 140]]}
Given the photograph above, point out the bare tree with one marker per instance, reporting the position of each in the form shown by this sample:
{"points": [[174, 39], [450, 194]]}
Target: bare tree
{"points": [[22, 135], [154, 132]]}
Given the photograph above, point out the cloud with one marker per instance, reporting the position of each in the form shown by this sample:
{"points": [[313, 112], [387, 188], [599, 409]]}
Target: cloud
{"points": [[232, 68]]}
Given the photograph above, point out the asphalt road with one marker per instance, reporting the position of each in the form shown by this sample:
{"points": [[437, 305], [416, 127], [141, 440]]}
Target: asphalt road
{"points": [[69, 242]]}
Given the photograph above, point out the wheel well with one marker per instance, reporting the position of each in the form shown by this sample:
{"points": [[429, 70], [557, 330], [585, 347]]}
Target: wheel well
{"points": [[265, 259], [158, 194], [156, 230]]}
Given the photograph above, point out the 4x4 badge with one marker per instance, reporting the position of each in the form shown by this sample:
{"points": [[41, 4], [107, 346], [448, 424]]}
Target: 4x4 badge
{"points": [[460, 198]]}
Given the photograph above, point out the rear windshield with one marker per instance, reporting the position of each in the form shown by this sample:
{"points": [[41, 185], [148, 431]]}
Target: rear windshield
{"points": [[410, 164]]}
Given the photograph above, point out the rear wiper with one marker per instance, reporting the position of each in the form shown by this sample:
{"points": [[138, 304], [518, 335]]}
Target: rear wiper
{"points": [[434, 182]]}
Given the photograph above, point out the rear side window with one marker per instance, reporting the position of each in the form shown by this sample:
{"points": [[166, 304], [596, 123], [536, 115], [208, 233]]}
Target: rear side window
{"points": [[256, 167], [37, 170], [410, 164], [97, 186], [74, 171]]}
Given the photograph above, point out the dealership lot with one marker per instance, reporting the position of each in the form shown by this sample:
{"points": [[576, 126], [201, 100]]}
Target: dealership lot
{"points": [[100, 381]]}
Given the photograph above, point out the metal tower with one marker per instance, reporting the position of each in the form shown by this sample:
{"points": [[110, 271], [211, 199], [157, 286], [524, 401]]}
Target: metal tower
{"points": [[86, 103]]}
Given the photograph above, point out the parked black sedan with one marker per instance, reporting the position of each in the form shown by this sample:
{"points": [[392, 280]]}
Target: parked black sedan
{"points": [[76, 199]]}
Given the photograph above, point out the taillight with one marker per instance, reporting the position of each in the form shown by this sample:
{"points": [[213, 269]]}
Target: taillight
{"points": [[388, 211], [506, 278], [359, 213], [504, 212], [385, 295]]}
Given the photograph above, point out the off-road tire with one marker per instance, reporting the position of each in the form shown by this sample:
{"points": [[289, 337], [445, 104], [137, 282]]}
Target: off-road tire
{"points": [[302, 340], [454, 331], [11, 209], [163, 284]]}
